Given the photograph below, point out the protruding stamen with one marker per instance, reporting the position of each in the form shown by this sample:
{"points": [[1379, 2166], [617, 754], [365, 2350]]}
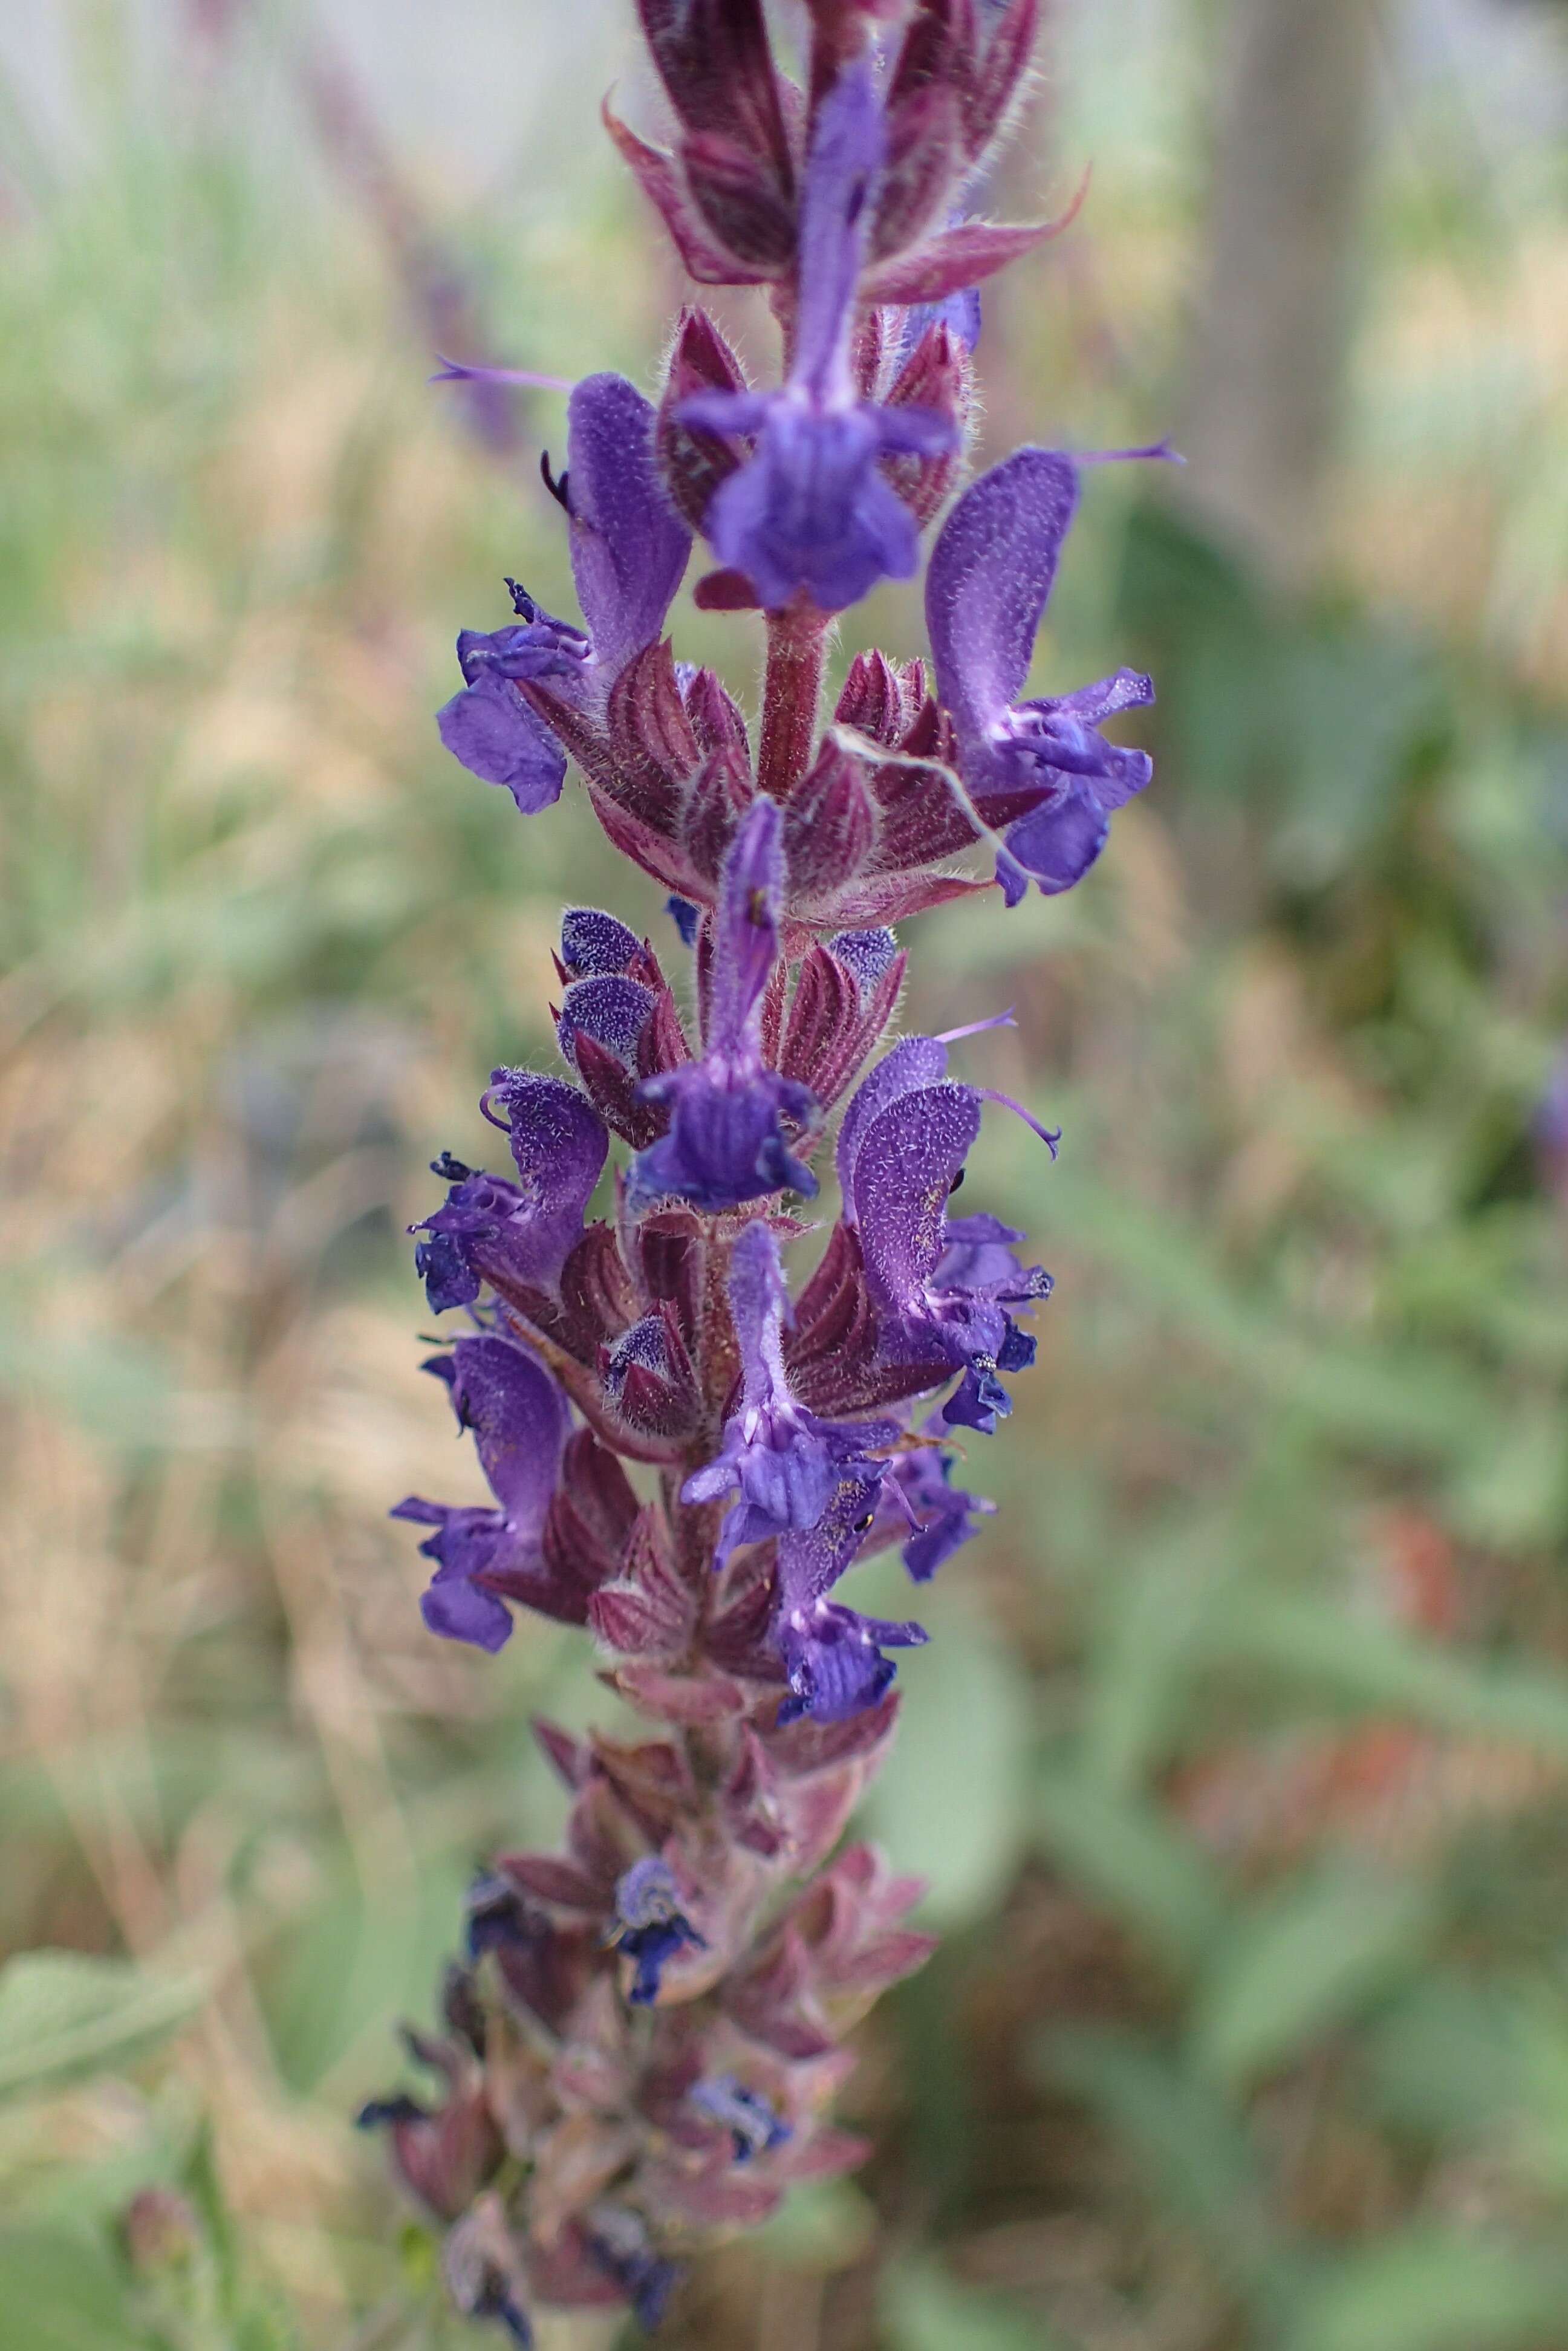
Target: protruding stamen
{"points": [[1160, 451], [1050, 1135], [458, 371], [978, 1027], [891, 1485]]}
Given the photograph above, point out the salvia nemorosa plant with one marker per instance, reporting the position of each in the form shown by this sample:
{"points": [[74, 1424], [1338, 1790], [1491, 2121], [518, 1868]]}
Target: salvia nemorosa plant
{"points": [[643, 2043]]}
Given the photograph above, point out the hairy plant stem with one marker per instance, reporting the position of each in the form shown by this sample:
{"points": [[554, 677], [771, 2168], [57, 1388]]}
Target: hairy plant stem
{"points": [[792, 690]]}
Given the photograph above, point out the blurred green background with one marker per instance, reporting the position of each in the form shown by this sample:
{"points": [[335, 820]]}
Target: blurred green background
{"points": [[1238, 1761]]}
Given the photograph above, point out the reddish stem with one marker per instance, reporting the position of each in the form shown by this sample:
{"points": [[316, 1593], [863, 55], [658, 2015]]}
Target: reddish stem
{"points": [[792, 688]]}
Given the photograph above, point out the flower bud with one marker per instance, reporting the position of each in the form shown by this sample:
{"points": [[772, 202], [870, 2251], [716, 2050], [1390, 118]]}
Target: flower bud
{"points": [[160, 2231], [937, 375], [649, 1611], [830, 825], [695, 462]]}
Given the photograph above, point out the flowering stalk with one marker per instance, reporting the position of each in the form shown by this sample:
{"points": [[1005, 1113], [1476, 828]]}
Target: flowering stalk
{"points": [[643, 2043]]}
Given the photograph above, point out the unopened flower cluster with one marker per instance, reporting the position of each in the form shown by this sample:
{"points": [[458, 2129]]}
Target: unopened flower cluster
{"points": [[642, 2046]]}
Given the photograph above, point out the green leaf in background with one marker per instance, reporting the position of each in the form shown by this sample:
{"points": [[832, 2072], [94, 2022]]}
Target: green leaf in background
{"points": [[1345, 1386], [1195, 2151], [1432, 2289], [1125, 1853], [1346, 770], [1377, 1665], [1514, 1497], [1541, 2137], [923, 2308], [61, 2291], [120, 1389], [1453, 2055], [59, 2188], [266, 2327], [952, 1803], [63, 2014], [353, 1963], [1303, 1964], [822, 2225], [1152, 1619]]}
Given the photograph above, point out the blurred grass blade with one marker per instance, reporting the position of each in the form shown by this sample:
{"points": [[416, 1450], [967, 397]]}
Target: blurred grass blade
{"points": [[1131, 1857], [1377, 1665], [60, 2290], [1150, 1642], [1302, 1965], [822, 2226], [1427, 2288], [1373, 1394], [1458, 2058], [923, 2308], [1194, 2150], [951, 1804], [63, 2014]]}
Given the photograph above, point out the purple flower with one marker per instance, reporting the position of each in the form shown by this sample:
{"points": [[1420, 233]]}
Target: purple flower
{"points": [[976, 1262], [650, 1927], [613, 1030], [755, 2127], [477, 1211], [942, 1287], [484, 1558], [629, 551], [498, 2302], [686, 918], [381, 2114], [446, 2150], [495, 1916], [919, 1506], [832, 1655], [516, 1236], [1039, 773], [726, 1144], [629, 548], [786, 1463], [489, 726], [812, 511], [943, 1514], [621, 2243], [978, 1254]]}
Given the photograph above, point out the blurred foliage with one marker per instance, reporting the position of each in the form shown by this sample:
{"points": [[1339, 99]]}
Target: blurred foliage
{"points": [[1236, 1760]]}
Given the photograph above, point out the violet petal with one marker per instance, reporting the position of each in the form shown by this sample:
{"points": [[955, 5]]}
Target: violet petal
{"points": [[491, 729], [629, 548]]}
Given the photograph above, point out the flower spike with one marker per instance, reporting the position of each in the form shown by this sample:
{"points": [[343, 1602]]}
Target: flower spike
{"points": [[688, 1453]]}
